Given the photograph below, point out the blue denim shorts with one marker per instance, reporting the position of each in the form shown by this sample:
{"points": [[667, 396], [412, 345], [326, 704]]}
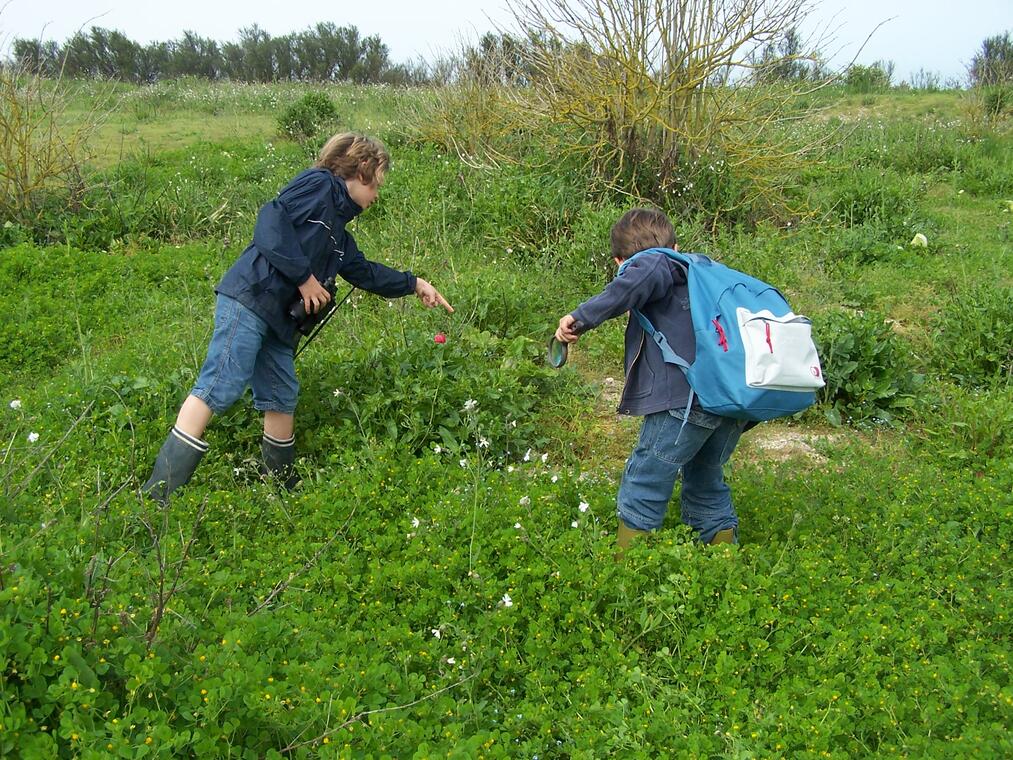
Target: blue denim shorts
{"points": [[243, 352]]}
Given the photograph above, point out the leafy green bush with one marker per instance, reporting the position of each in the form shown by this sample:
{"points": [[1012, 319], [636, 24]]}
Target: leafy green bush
{"points": [[867, 371], [307, 116], [476, 392], [972, 336], [864, 79], [993, 63], [967, 427]]}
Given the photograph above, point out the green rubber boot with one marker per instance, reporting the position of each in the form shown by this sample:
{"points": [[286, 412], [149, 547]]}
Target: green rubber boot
{"points": [[625, 536], [174, 465], [726, 536], [279, 461]]}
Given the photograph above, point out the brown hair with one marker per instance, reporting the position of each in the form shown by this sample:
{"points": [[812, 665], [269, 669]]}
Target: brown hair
{"points": [[639, 229], [353, 156]]}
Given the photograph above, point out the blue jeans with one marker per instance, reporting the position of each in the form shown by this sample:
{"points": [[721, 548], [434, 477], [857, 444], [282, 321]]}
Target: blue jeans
{"points": [[245, 351], [699, 451]]}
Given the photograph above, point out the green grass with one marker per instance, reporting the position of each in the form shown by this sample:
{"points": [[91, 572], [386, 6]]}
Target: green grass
{"points": [[422, 594]]}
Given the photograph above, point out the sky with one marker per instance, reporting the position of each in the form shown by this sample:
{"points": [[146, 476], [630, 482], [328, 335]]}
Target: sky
{"points": [[939, 36]]}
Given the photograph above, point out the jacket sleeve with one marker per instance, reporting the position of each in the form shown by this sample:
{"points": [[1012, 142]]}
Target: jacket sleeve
{"points": [[644, 280], [373, 276], [274, 234]]}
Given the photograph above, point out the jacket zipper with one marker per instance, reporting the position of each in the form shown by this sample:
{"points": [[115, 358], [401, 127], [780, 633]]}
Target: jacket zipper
{"points": [[640, 348]]}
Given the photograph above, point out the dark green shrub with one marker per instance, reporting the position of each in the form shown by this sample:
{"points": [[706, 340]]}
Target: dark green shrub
{"points": [[863, 79], [993, 63], [868, 372], [304, 118], [973, 336], [883, 198]]}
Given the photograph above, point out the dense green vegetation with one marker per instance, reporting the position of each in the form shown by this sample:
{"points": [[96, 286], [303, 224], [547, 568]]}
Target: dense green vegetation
{"points": [[442, 583]]}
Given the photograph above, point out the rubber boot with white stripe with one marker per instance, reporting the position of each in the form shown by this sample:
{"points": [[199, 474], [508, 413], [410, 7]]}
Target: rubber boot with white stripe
{"points": [[279, 460], [175, 464]]}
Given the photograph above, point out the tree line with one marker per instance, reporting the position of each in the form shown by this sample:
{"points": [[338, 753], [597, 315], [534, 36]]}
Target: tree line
{"points": [[325, 53]]}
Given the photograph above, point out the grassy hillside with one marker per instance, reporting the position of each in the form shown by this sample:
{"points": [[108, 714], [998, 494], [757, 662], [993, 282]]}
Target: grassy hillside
{"points": [[443, 583]]}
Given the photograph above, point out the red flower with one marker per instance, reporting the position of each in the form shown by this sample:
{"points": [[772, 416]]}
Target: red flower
{"points": [[440, 338]]}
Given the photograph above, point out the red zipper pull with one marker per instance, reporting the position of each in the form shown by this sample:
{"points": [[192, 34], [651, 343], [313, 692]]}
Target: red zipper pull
{"points": [[722, 340]]}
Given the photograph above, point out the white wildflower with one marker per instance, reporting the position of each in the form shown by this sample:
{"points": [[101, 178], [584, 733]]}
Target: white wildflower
{"points": [[583, 506], [337, 392], [463, 463], [507, 601], [510, 468], [438, 449], [436, 633], [574, 524], [545, 458], [33, 437], [415, 522], [451, 661], [470, 404], [525, 501], [517, 525], [554, 478], [16, 404], [483, 443], [527, 455]]}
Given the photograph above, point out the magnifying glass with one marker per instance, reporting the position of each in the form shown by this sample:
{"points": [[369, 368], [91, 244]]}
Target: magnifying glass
{"points": [[558, 351], [556, 355]]}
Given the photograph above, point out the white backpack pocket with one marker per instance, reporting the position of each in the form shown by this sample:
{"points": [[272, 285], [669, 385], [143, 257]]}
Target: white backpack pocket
{"points": [[780, 353]]}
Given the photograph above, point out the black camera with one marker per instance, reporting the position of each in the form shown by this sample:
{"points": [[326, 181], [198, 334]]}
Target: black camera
{"points": [[306, 322]]}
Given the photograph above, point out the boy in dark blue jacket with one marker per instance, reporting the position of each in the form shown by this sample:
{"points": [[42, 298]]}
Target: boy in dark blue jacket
{"points": [[299, 242], [658, 391]]}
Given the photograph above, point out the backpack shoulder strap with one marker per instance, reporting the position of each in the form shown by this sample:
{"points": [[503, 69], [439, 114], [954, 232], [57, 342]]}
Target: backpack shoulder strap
{"points": [[667, 352], [683, 259]]}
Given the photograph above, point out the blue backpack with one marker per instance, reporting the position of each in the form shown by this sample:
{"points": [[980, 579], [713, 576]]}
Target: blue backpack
{"points": [[755, 358]]}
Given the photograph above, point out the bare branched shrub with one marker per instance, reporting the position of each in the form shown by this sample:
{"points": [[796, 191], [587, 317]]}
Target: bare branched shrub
{"points": [[667, 100], [660, 93], [42, 151]]}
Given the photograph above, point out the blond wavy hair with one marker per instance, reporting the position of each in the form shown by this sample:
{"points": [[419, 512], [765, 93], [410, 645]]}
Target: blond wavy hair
{"points": [[354, 156]]}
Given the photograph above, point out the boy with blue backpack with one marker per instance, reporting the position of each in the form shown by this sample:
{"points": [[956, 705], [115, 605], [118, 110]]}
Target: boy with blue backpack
{"points": [[697, 376]]}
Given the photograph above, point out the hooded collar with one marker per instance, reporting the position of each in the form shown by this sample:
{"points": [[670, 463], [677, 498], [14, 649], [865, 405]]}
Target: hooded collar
{"points": [[342, 200]]}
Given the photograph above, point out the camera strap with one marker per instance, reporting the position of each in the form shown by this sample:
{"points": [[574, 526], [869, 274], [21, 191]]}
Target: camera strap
{"points": [[322, 322]]}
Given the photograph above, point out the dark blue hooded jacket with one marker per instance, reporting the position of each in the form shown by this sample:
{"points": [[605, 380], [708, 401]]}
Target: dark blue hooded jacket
{"points": [[656, 286], [302, 232]]}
